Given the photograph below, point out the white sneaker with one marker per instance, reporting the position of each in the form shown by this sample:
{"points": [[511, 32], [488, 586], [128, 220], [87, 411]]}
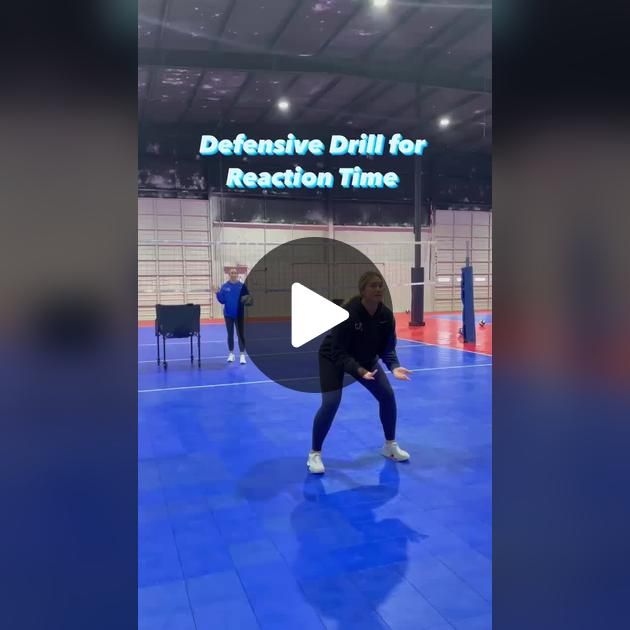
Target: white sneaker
{"points": [[391, 450], [315, 463], [230, 358], [243, 361]]}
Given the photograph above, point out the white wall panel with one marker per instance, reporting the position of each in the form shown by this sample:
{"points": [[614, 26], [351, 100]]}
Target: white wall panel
{"points": [[479, 256], [146, 222], [481, 243], [481, 231], [198, 283], [145, 206], [197, 268], [445, 268], [194, 207], [191, 236], [463, 231], [169, 222], [196, 252], [172, 268], [443, 230], [482, 218], [146, 235], [444, 217], [167, 206], [169, 235], [146, 313], [169, 253], [147, 268], [462, 217], [472, 229], [196, 223], [175, 272], [462, 243], [146, 252]]}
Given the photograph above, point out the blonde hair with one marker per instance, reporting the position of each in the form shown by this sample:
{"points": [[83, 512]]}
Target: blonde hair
{"points": [[366, 277]]}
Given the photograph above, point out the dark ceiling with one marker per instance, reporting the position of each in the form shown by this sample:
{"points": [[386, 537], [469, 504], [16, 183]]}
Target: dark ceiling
{"points": [[341, 65]]}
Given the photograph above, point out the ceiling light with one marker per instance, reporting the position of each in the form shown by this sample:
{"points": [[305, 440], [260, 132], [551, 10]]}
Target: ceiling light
{"points": [[380, 3], [444, 122], [283, 104]]}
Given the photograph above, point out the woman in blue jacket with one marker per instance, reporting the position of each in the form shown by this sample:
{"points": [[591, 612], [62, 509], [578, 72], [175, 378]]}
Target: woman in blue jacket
{"points": [[234, 296]]}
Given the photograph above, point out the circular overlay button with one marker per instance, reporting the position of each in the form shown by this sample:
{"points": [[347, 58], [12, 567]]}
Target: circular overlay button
{"points": [[298, 290]]}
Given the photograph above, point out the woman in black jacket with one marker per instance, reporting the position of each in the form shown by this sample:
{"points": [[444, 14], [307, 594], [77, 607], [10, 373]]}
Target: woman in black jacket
{"points": [[354, 347]]}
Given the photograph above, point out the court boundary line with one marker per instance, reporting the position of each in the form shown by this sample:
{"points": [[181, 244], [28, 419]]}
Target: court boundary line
{"points": [[423, 343], [437, 345], [267, 354], [301, 378], [186, 343]]}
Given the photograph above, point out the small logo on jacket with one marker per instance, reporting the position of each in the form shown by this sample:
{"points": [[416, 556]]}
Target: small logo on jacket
{"points": [[358, 326]]}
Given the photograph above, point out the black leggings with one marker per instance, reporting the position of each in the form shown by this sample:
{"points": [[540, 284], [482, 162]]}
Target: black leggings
{"points": [[240, 331], [331, 380]]}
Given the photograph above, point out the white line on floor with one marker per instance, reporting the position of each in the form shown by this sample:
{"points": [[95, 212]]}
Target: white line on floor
{"points": [[271, 354], [305, 378], [437, 345], [187, 343]]}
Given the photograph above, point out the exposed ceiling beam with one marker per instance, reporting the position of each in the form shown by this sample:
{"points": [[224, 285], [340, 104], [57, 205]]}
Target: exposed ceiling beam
{"points": [[477, 63], [340, 28], [269, 108], [429, 75], [288, 18], [403, 19], [467, 133], [214, 45], [190, 100], [474, 142], [151, 72], [417, 50], [350, 106], [393, 112], [226, 111], [427, 117], [454, 34], [452, 31], [224, 22], [310, 103]]}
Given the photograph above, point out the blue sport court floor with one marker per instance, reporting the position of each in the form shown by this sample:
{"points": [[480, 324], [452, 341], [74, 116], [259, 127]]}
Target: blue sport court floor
{"points": [[235, 534]]}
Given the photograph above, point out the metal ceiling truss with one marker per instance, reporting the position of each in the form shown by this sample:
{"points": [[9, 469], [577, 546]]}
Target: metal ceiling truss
{"points": [[429, 74]]}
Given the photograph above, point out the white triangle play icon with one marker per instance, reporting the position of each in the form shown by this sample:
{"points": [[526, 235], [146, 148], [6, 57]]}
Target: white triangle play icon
{"points": [[312, 315]]}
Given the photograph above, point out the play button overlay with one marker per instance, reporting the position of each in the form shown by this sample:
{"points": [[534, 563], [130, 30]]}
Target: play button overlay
{"points": [[312, 315], [298, 290]]}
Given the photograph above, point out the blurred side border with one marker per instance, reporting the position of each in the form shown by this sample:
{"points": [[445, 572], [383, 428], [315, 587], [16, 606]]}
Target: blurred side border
{"points": [[560, 392], [68, 293]]}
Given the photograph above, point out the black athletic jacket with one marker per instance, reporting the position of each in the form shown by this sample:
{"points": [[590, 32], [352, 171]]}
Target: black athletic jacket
{"points": [[362, 339]]}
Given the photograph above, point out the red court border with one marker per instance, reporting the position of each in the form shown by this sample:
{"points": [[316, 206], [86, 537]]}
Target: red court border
{"points": [[436, 331]]}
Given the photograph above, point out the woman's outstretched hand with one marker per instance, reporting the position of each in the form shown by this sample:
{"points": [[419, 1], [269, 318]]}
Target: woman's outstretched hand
{"points": [[401, 373]]}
